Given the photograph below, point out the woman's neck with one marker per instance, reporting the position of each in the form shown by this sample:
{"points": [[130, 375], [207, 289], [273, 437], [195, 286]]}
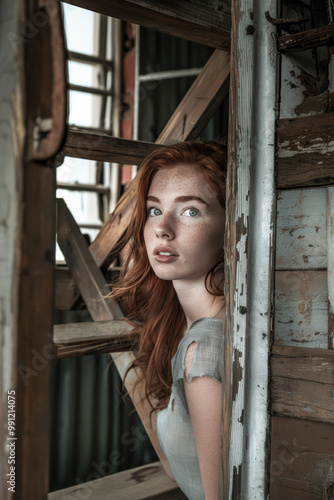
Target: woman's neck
{"points": [[197, 302]]}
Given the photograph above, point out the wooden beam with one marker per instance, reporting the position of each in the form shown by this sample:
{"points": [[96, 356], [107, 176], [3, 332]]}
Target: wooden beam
{"points": [[302, 383], [201, 101], [92, 145], [45, 107], [201, 21], [309, 39], [117, 222], [77, 339], [94, 290], [305, 151], [142, 483]]}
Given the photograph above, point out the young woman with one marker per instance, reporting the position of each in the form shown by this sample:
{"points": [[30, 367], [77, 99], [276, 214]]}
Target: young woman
{"points": [[172, 290]]}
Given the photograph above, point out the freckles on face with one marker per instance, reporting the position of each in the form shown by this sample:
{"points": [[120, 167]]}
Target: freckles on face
{"points": [[185, 224]]}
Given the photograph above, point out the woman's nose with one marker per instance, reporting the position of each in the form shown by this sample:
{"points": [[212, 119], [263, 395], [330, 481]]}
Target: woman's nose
{"points": [[165, 229]]}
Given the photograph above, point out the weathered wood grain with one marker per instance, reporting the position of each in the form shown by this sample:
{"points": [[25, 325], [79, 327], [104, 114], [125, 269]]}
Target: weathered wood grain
{"points": [[45, 89], [302, 459], [78, 339], [301, 241], [307, 39], [199, 21], [302, 386], [305, 151], [142, 483], [330, 265], [201, 101], [301, 317], [66, 290], [98, 146]]}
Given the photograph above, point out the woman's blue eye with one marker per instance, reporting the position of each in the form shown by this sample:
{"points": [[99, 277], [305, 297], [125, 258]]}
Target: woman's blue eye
{"points": [[191, 212], [154, 211]]}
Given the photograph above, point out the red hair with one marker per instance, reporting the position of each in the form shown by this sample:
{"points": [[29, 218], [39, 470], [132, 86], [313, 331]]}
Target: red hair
{"points": [[149, 302]]}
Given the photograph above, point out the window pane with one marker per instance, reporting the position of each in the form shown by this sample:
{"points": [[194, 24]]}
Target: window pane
{"points": [[79, 28]]}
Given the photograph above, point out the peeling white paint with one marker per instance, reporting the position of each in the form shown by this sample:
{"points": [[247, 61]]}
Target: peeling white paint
{"points": [[298, 148]]}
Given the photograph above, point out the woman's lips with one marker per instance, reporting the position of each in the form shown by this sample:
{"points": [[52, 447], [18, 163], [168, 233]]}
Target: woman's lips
{"points": [[165, 254], [165, 258]]}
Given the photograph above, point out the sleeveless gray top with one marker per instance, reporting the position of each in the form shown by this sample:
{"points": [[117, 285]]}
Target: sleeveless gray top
{"points": [[174, 426]]}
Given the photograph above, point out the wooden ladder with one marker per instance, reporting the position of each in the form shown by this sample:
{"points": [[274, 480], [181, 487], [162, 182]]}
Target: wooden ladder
{"points": [[85, 273]]}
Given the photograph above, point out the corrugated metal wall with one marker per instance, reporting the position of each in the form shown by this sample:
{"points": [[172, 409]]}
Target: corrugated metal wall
{"points": [[93, 430]]}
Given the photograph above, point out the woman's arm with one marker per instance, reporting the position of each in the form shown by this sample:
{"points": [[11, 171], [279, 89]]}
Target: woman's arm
{"points": [[204, 401]]}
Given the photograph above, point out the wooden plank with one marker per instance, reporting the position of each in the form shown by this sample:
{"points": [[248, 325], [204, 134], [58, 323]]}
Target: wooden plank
{"points": [[303, 386], [94, 290], [301, 241], [141, 483], [78, 339], [45, 89], [301, 316], [309, 39], [90, 330], [201, 21], [302, 459], [330, 266], [201, 101], [117, 222], [92, 145], [305, 151]]}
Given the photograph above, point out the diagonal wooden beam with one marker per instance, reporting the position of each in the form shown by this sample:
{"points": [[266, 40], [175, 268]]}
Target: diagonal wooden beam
{"points": [[200, 102], [93, 288], [309, 39], [217, 69], [201, 21]]}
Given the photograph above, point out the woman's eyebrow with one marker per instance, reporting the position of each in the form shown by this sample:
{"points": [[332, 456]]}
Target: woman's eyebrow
{"points": [[179, 199]]}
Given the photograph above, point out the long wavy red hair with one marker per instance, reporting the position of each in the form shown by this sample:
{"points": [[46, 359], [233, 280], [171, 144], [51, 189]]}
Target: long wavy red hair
{"points": [[149, 302]]}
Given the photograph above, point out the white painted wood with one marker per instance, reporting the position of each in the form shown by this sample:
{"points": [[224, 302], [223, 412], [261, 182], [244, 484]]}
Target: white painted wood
{"points": [[330, 262], [301, 241], [301, 316], [11, 147]]}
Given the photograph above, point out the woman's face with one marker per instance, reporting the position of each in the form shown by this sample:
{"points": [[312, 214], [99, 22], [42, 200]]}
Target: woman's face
{"points": [[184, 229]]}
